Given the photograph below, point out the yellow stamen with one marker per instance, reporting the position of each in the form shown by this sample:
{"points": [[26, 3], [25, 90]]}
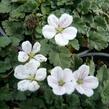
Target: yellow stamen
{"points": [[80, 81], [61, 82], [31, 55], [59, 30], [31, 77]]}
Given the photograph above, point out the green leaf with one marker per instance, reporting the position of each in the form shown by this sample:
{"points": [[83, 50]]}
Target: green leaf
{"points": [[80, 24], [75, 44], [103, 73], [5, 6], [75, 62], [100, 21], [4, 41], [5, 65], [60, 57], [15, 41], [13, 28], [45, 47], [16, 14], [28, 6], [84, 6], [105, 92], [91, 64], [97, 41], [44, 9]]}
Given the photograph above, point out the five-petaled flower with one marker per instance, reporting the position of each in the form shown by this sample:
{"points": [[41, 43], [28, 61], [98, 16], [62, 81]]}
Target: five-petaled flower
{"points": [[84, 83], [29, 74], [60, 29], [30, 53], [61, 81]]}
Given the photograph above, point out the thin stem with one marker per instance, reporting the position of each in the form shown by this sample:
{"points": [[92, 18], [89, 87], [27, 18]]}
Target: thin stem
{"points": [[4, 77], [2, 32], [95, 54], [83, 53]]}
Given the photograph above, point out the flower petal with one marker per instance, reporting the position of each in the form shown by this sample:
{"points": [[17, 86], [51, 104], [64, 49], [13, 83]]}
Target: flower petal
{"points": [[65, 20], [53, 20], [23, 85], [59, 90], [40, 58], [31, 67], [48, 31], [41, 74], [91, 82], [26, 46], [68, 75], [28, 85], [20, 72], [22, 56], [60, 40], [69, 87], [88, 92], [36, 47], [33, 86], [35, 62], [52, 81], [82, 72], [57, 73], [69, 33], [80, 89]]}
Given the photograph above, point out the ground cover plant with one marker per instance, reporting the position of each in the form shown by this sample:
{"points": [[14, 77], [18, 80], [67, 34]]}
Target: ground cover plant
{"points": [[54, 54]]}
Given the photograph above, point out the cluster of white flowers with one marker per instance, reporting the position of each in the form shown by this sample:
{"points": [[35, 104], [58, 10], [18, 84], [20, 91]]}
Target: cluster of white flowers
{"points": [[65, 81], [62, 81], [29, 73]]}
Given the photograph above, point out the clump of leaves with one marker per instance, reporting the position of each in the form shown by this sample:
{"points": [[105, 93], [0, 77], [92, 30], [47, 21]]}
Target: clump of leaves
{"points": [[23, 20]]}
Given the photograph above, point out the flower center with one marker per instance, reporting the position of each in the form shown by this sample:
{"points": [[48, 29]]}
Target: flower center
{"points": [[31, 55], [61, 82], [31, 77], [59, 29], [80, 81]]}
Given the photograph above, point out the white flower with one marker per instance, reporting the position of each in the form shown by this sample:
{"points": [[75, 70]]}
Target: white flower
{"points": [[60, 29], [30, 53], [61, 81], [84, 83], [29, 75]]}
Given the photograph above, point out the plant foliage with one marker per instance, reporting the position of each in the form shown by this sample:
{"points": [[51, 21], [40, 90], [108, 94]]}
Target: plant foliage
{"points": [[23, 20]]}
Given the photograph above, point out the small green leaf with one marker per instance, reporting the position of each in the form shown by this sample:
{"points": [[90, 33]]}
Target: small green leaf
{"points": [[91, 64], [5, 65], [103, 73], [75, 44], [105, 92], [4, 41]]}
